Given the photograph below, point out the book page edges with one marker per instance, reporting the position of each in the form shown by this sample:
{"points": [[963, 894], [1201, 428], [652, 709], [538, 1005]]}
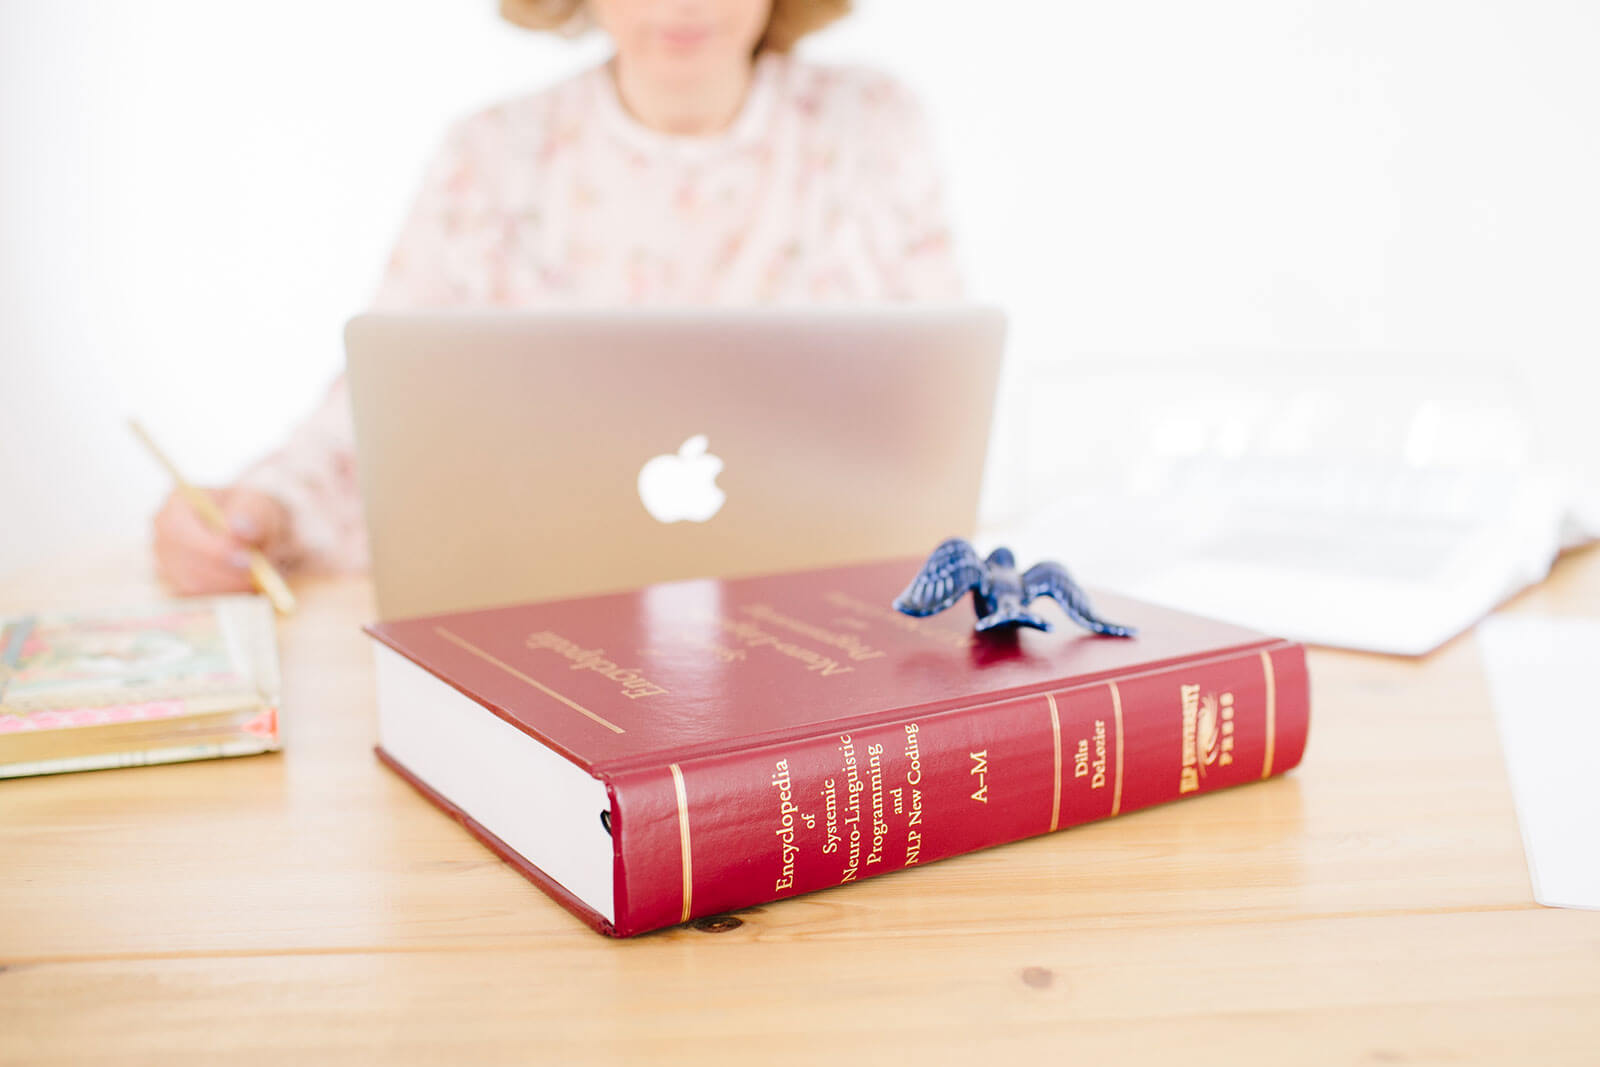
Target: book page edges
{"points": [[517, 789], [517, 860]]}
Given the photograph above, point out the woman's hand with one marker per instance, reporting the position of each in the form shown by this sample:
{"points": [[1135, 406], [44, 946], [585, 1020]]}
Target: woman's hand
{"points": [[194, 558]]}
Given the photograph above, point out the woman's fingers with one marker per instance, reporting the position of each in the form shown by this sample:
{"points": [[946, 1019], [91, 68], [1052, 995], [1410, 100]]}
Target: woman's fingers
{"points": [[192, 557], [196, 575], [179, 527], [256, 518]]}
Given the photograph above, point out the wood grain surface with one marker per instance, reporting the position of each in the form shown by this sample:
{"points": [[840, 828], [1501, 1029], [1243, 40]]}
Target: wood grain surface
{"points": [[1371, 907]]}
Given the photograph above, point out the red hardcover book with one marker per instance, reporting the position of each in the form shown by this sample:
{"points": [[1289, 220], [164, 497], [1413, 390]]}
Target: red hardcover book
{"points": [[695, 747]]}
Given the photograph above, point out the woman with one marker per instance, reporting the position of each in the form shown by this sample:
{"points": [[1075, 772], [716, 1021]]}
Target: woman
{"points": [[700, 165]]}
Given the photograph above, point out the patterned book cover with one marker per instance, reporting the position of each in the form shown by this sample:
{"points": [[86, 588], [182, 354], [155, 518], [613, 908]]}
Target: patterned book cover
{"points": [[155, 683]]}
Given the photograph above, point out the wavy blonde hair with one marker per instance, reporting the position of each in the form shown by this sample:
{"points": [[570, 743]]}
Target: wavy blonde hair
{"points": [[790, 19]]}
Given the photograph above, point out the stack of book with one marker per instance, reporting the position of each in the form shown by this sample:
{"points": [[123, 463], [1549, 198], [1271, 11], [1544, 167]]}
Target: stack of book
{"points": [[161, 683]]}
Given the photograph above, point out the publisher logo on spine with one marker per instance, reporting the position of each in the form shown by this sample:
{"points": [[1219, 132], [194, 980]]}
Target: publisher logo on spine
{"points": [[1207, 734]]}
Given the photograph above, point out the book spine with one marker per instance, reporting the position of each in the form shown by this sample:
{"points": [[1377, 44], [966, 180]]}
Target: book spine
{"points": [[720, 833]]}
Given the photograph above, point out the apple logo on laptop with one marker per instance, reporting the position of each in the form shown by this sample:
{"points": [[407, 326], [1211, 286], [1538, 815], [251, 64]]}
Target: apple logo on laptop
{"points": [[682, 486]]}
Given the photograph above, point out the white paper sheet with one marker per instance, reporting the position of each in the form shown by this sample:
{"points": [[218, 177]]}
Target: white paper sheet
{"points": [[1544, 679]]}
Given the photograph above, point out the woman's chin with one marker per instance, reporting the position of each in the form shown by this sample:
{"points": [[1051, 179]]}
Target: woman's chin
{"points": [[684, 65]]}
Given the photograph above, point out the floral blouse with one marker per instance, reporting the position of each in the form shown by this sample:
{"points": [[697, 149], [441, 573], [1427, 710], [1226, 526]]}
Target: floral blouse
{"points": [[825, 189]]}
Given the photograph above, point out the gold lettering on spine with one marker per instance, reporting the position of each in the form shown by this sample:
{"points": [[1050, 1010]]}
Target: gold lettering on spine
{"points": [[683, 840], [1055, 730], [1272, 712], [481, 654], [1189, 717], [1116, 784]]}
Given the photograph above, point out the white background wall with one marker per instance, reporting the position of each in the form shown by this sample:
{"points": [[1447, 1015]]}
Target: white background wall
{"points": [[195, 195]]}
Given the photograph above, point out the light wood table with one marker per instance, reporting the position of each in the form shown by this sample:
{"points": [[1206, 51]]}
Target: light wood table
{"points": [[1372, 907]]}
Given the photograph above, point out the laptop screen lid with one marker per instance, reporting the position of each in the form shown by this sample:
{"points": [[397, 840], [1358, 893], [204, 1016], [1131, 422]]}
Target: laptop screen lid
{"points": [[509, 456]]}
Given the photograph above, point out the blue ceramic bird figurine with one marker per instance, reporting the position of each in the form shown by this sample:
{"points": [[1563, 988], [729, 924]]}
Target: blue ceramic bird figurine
{"points": [[999, 593]]}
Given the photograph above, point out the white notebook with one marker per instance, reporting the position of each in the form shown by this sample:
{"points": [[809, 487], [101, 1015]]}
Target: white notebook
{"points": [[1361, 507]]}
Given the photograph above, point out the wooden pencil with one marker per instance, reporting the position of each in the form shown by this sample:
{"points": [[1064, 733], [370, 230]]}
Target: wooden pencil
{"points": [[262, 572]]}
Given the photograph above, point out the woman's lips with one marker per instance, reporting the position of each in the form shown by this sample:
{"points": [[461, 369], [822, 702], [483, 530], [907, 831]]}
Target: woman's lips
{"points": [[685, 36]]}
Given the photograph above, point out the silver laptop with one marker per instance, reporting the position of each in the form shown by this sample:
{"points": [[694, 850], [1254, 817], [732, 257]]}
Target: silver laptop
{"points": [[520, 456]]}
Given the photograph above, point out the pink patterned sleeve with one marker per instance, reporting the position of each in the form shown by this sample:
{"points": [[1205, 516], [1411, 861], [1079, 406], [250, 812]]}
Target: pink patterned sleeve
{"points": [[313, 473], [440, 258], [909, 232]]}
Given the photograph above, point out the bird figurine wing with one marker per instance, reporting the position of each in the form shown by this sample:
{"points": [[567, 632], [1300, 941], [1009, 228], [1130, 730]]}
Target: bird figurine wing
{"points": [[953, 570], [1051, 580]]}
